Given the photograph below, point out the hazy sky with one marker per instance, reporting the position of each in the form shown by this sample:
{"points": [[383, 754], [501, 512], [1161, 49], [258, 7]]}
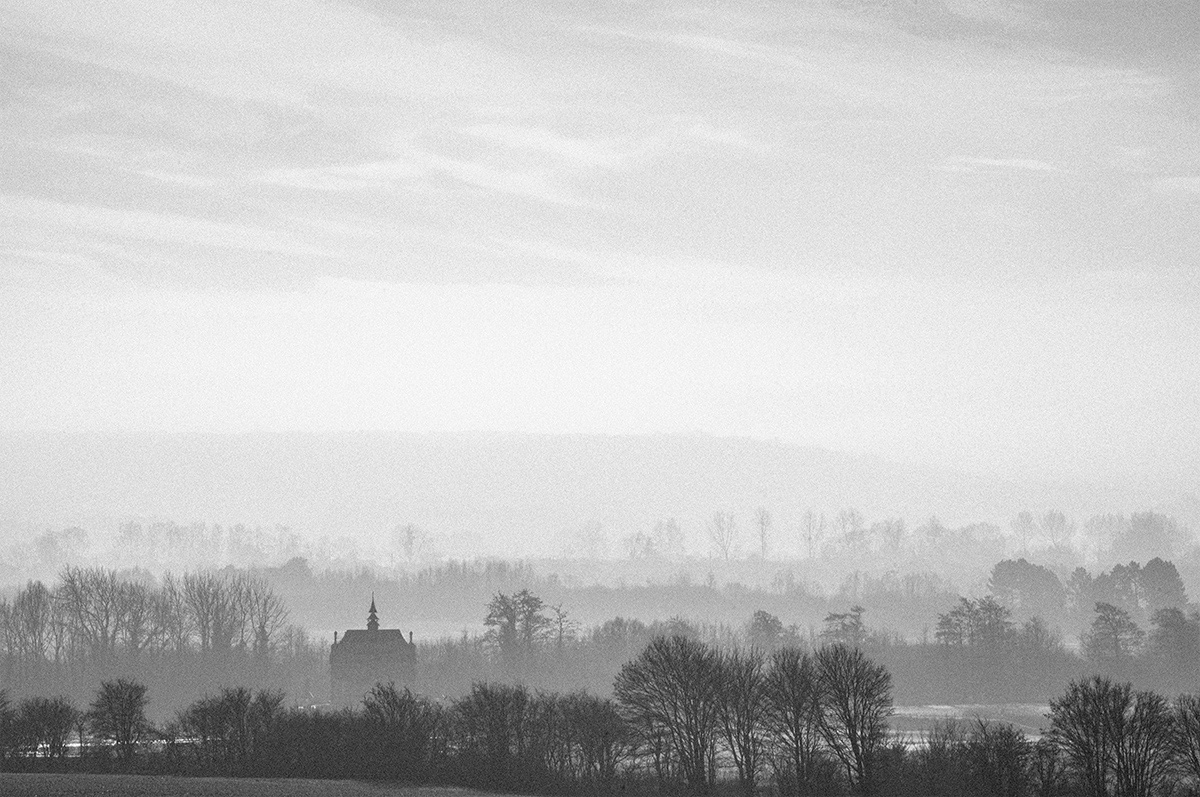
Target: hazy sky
{"points": [[963, 233]]}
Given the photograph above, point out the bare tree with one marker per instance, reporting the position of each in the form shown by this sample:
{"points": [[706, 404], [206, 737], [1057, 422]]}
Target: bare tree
{"points": [[8, 634], [741, 692], [1023, 528], [7, 718], [533, 624], [856, 700], [601, 737], [1186, 740], [563, 628], [1114, 739], [410, 540], [216, 605], [722, 531], [45, 723], [403, 730], [267, 616], [118, 715], [171, 615], [794, 714], [1056, 529], [762, 522], [1144, 758], [30, 616], [137, 627], [94, 603], [813, 529], [1080, 725], [669, 696], [893, 532]]}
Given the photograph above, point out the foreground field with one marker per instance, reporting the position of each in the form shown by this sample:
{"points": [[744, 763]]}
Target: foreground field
{"points": [[39, 785]]}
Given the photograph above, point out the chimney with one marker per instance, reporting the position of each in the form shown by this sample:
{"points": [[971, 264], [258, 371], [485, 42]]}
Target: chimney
{"points": [[410, 637], [335, 637]]}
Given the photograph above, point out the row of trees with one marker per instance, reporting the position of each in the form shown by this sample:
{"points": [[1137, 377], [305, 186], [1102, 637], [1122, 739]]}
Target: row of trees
{"points": [[816, 533], [683, 713], [199, 628], [1034, 590], [41, 727], [95, 615], [685, 718], [689, 705]]}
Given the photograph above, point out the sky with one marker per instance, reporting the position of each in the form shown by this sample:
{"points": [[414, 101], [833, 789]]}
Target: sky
{"points": [[961, 233]]}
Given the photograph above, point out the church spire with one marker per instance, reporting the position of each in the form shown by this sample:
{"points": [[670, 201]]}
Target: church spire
{"points": [[372, 616]]}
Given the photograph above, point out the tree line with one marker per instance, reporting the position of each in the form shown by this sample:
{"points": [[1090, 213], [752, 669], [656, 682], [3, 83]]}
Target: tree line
{"points": [[180, 634], [685, 718], [95, 624]]}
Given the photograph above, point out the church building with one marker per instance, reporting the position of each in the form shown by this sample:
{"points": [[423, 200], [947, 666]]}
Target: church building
{"points": [[362, 659]]}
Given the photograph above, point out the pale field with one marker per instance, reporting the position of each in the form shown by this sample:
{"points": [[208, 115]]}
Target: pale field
{"points": [[53, 785]]}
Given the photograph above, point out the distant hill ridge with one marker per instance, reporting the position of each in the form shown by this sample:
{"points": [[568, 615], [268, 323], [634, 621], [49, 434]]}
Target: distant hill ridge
{"points": [[515, 493]]}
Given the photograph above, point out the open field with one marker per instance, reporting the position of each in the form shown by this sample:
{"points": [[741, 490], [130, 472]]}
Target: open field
{"points": [[911, 722], [53, 785]]}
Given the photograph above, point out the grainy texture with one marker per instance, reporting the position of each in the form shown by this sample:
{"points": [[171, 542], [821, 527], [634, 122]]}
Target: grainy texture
{"points": [[42, 785]]}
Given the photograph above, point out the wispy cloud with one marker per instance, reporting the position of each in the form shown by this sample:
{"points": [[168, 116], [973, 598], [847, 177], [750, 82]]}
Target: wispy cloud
{"points": [[57, 218], [374, 175], [179, 178], [996, 164], [542, 185], [585, 151]]}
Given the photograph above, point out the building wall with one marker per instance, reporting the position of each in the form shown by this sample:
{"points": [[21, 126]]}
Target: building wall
{"points": [[365, 658]]}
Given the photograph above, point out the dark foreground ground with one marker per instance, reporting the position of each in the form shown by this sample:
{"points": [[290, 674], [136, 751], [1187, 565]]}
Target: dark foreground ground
{"points": [[37, 785]]}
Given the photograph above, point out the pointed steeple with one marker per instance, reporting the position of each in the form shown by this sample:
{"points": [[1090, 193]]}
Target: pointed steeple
{"points": [[372, 616]]}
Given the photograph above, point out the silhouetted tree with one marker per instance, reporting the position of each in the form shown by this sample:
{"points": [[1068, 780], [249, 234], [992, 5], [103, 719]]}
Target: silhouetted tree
{"points": [[7, 731], [997, 760], [1174, 645], [118, 715], [742, 698], [1056, 529], [1026, 589], [517, 624], [765, 630], [1048, 769], [981, 623], [93, 599], [402, 728], [218, 607], [722, 532], [1186, 736], [1114, 637], [856, 700], [46, 723], [938, 762], [1023, 527], [267, 615], [1143, 742], [762, 523], [1162, 588], [1148, 534], [602, 739], [845, 628], [812, 531], [1082, 724], [669, 696], [793, 716]]}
